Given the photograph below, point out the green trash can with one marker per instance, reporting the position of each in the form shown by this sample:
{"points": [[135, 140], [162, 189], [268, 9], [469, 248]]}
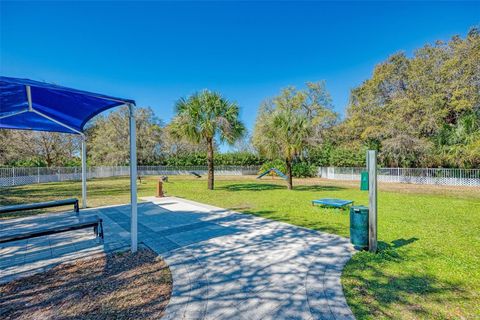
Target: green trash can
{"points": [[359, 226]]}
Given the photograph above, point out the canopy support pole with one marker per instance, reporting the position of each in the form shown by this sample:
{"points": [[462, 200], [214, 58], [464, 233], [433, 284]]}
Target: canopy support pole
{"points": [[133, 179], [84, 171]]}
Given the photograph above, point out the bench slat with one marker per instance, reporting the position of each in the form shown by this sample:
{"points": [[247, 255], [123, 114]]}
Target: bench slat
{"points": [[40, 205], [55, 226]]}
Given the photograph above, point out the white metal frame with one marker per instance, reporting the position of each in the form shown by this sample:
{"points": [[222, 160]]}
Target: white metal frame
{"points": [[133, 178], [84, 171], [133, 159]]}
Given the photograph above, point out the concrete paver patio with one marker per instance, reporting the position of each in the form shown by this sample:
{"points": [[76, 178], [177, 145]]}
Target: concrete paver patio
{"points": [[225, 265]]}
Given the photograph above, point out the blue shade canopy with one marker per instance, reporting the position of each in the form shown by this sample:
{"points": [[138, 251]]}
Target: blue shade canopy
{"points": [[32, 105]]}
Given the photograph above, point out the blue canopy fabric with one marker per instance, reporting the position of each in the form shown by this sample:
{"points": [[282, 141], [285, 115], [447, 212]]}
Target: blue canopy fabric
{"points": [[50, 107]]}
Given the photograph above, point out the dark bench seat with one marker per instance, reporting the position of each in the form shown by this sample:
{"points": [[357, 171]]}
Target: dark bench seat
{"points": [[52, 225], [41, 205]]}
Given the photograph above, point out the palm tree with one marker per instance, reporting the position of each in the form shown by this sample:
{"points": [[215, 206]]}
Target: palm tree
{"points": [[283, 133], [289, 123], [205, 116]]}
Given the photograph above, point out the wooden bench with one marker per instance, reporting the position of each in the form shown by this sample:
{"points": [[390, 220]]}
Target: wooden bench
{"points": [[53, 225], [41, 205]]}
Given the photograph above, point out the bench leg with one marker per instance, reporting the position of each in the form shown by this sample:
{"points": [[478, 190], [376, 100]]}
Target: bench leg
{"points": [[101, 230], [98, 230]]}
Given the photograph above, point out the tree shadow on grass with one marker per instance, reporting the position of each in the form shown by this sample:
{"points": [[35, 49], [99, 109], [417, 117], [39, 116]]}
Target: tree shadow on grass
{"points": [[317, 188], [385, 296], [373, 290], [272, 186], [252, 187], [398, 243], [59, 190]]}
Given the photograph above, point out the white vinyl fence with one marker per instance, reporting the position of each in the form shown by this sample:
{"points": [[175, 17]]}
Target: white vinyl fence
{"points": [[437, 176], [27, 175]]}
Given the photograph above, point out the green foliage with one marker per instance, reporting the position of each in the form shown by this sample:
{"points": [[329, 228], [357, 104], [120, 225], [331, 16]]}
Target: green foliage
{"points": [[420, 111], [348, 156], [320, 155], [238, 159], [200, 159], [28, 162], [193, 159], [303, 170], [206, 115]]}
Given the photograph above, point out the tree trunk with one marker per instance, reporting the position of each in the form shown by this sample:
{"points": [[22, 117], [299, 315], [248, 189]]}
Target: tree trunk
{"points": [[288, 162], [210, 164]]}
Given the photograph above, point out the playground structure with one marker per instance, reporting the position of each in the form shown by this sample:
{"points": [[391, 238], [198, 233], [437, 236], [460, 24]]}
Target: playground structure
{"points": [[274, 170]]}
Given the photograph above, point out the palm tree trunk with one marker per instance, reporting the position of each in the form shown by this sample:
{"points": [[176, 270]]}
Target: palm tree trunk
{"points": [[288, 163], [210, 164]]}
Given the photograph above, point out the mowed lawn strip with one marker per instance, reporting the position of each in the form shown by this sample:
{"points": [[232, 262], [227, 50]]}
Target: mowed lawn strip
{"points": [[428, 265]]}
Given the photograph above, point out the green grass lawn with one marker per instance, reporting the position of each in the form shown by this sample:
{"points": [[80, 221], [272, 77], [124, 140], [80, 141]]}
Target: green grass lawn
{"points": [[429, 260]]}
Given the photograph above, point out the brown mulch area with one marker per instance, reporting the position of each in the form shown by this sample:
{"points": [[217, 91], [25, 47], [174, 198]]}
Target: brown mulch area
{"points": [[115, 286]]}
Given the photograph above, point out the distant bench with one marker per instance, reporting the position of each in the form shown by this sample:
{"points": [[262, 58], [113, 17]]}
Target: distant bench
{"points": [[52, 226], [41, 205]]}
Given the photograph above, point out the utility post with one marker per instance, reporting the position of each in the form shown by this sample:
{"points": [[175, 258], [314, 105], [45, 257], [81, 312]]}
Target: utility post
{"points": [[133, 179], [372, 200]]}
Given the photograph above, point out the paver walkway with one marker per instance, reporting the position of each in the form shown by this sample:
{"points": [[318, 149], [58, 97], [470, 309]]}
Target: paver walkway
{"points": [[225, 265], [238, 266]]}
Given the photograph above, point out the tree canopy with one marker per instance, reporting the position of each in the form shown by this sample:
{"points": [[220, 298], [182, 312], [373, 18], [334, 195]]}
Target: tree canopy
{"points": [[289, 123], [108, 137], [422, 110]]}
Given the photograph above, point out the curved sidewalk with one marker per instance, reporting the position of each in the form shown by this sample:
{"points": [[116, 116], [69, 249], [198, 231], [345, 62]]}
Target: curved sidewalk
{"points": [[227, 265]]}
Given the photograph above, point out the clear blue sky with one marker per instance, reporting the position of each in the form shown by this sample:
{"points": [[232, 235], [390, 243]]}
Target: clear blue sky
{"points": [[156, 52]]}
